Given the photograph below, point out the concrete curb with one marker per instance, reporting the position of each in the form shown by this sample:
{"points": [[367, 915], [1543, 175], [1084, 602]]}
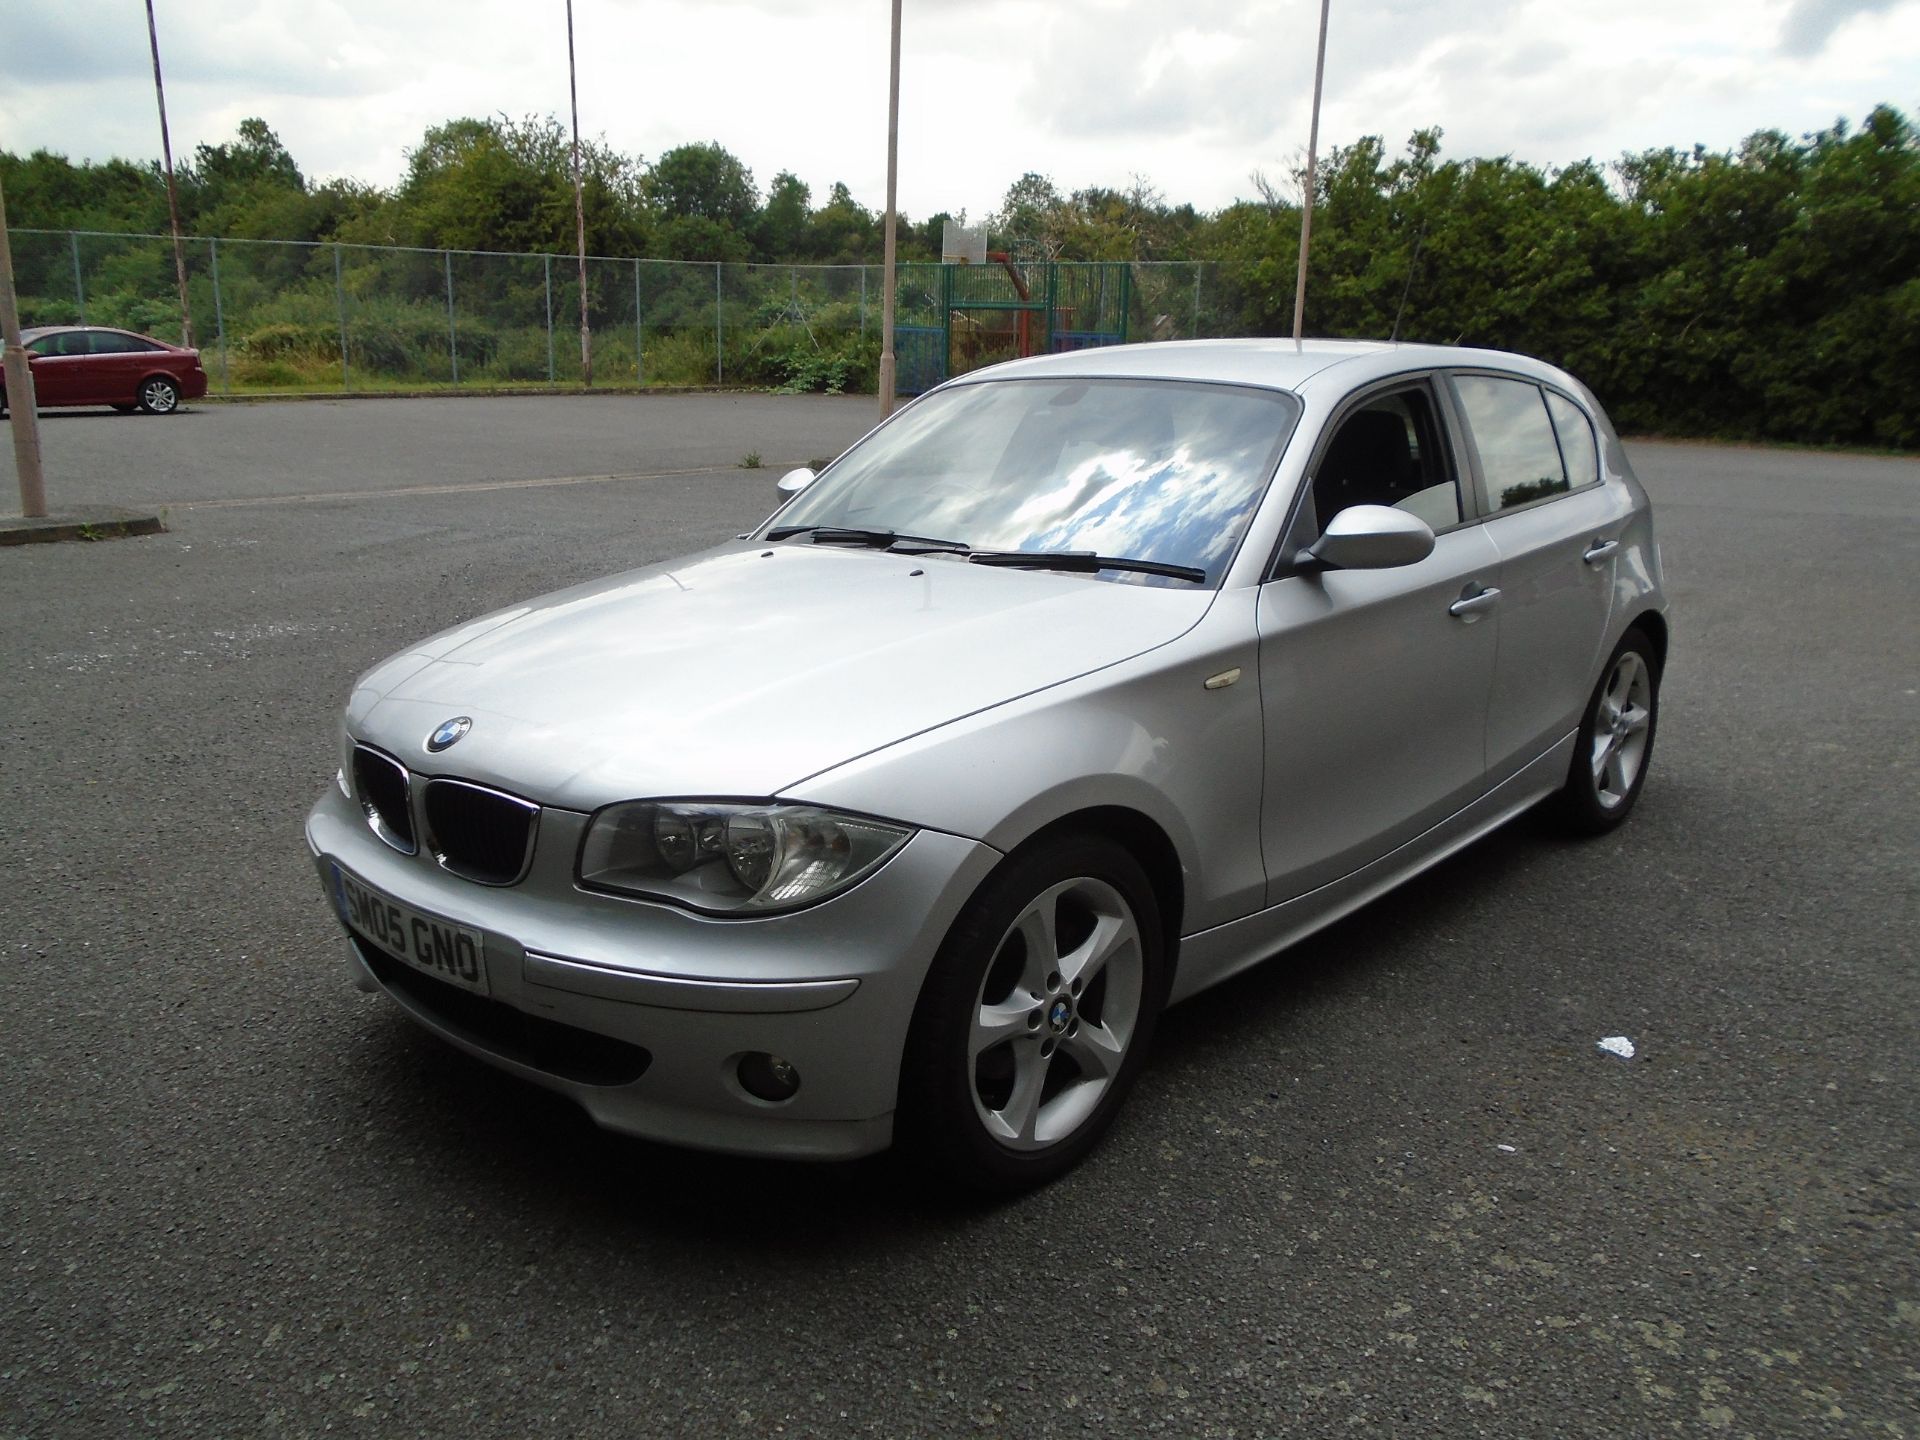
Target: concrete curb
{"points": [[477, 392], [87, 523]]}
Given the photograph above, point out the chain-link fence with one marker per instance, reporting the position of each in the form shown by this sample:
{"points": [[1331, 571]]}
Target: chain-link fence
{"points": [[273, 315]]}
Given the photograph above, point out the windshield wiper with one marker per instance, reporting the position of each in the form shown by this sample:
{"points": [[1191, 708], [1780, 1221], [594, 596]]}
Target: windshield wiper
{"points": [[1084, 562], [873, 539]]}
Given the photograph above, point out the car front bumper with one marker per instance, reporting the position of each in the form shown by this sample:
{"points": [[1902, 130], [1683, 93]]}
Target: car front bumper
{"points": [[640, 1012]]}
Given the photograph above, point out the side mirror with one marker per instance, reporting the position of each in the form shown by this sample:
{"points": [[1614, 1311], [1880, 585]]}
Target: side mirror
{"points": [[1371, 537], [794, 481]]}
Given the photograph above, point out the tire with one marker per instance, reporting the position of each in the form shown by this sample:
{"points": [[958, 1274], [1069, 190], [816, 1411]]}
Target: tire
{"points": [[1035, 1017], [1615, 743], [159, 395]]}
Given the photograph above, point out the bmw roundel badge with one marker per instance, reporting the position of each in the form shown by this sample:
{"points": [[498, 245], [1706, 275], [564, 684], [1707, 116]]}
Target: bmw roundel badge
{"points": [[449, 733]]}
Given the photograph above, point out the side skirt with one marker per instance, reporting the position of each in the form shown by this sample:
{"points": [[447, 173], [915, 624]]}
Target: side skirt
{"points": [[1214, 955]]}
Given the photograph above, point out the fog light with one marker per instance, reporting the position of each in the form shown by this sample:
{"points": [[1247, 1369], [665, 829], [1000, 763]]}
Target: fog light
{"points": [[768, 1077]]}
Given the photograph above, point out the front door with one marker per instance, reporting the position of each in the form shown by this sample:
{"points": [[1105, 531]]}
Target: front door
{"points": [[59, 363], [1374, 683]]}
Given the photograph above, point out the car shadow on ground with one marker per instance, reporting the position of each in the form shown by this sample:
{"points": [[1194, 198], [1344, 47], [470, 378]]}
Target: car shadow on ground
{"points": [[495, 1141]]}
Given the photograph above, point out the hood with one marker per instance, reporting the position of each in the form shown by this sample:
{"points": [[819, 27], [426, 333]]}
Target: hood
{"points": [[743, 671]]}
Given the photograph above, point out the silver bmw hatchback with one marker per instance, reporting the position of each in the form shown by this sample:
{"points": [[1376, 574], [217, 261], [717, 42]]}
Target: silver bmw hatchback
{"points": [[1078, 686]]}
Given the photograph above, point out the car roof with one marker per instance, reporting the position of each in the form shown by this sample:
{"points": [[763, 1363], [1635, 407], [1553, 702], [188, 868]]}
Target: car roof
{"points": [[34, 332], [57, 329], [1273, 363]]}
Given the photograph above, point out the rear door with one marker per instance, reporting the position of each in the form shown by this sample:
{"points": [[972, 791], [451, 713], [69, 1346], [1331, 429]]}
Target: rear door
{"points": [[120, 362], [1556, 528]]}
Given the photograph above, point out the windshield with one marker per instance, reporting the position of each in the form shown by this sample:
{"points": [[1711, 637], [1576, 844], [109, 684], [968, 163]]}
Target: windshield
{"points": [[1148, 469]]}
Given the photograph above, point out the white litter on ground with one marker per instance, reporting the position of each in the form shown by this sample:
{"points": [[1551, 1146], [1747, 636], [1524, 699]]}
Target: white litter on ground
{"points": [[1507, 1148], [1618, 1045]]}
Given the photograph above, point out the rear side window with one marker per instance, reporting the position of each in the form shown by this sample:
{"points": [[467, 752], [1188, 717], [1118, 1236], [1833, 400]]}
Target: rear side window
{"points": [[61, 342], [1519, 453], [1575, 432], [106, 342]]}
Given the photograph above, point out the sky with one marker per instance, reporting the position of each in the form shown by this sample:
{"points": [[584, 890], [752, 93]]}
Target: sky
{"points": [[1193, 96]]}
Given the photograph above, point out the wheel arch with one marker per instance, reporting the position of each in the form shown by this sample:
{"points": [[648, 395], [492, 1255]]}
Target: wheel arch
{"points": [[1143, 838], [1653, 625]]}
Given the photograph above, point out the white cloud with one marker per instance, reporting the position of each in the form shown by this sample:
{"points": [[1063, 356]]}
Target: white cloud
{"points": [[1193, 94]]}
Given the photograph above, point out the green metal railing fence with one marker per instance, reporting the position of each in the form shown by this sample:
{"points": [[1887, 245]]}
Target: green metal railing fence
{"points": [[294, 315]]}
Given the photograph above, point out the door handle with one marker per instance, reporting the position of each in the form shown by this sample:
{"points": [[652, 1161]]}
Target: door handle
{"points": [[1599, 550], [1468, 607]]}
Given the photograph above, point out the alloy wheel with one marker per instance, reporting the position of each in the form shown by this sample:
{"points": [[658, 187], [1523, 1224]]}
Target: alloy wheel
{"points": [[1056, 1013], [1621, 727]]}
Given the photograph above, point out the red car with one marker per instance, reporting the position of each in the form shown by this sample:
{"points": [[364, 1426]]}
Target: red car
{"points": [[89, 365]]}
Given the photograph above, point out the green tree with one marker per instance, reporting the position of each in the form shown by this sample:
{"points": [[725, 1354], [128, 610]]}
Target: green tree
{"points": [[49, 192], [704, 180], [781, 228], [1032, 211], [843, 231], [508, 185]]}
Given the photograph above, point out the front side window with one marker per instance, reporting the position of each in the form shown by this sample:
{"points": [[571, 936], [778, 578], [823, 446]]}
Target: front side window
{"points": [[60, 342], [1147, 469], [1389, 452], [1519, 454]]}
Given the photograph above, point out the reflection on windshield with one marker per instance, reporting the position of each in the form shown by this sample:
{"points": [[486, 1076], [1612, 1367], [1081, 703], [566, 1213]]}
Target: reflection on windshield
{"points": [[1153, 470]]}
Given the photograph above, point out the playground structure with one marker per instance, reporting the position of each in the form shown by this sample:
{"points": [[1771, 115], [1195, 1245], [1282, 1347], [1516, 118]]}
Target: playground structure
{"points": [[954, 318]]}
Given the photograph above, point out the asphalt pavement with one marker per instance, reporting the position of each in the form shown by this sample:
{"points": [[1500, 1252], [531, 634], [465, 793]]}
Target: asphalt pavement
{"points": [[1387, 1183]]}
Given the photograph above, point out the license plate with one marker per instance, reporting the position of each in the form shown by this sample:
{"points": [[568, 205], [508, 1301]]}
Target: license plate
{"points": [[440, 948]]}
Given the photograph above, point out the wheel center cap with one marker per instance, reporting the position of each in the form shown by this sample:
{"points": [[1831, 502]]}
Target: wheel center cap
{"points": [[1059, 1014]]}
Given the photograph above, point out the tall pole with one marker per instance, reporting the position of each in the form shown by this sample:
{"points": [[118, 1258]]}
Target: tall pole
{"points": [[173, 200], [579, 209], [888, 275], [26, 419], [1306, 203]]}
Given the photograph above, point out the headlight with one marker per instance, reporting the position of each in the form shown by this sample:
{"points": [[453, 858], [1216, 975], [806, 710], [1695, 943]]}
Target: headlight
{"points": [[732, 859]]}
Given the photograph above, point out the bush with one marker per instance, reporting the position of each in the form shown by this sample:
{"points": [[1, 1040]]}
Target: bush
{"points": [[376, 344], [850, 363], [679, 358], [521, 354], [271, 342], [251, 371]]}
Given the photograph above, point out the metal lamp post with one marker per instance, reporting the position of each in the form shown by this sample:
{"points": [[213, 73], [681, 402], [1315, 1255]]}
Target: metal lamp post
{"points": [[888, 275], [1306, 200], [579, 211], [19, 386], [173, 200]]}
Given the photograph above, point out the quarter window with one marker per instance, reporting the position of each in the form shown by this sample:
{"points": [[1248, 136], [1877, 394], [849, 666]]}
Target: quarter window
{"points": [[1576, 440], [1519, 454]]}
